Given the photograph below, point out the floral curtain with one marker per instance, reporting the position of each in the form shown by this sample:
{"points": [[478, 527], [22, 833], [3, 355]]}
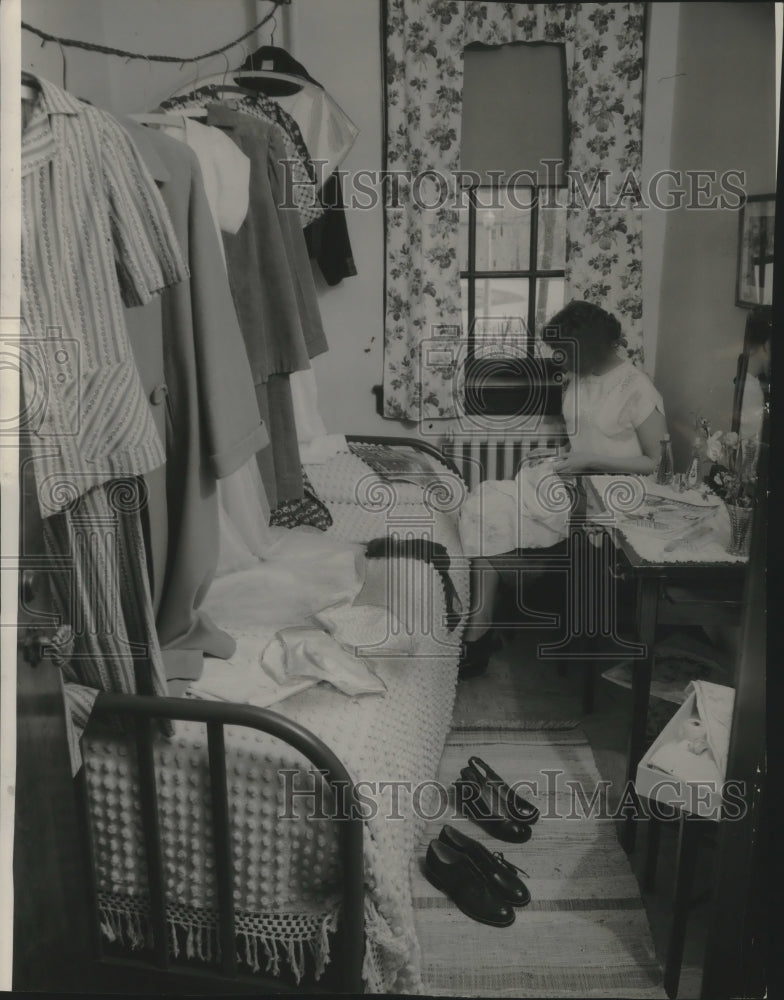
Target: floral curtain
{"points": [[424, 84]]}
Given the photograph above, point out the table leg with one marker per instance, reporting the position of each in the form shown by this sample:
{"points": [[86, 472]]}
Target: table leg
{"points": [[688, 838], [652, 854], [642, 670]]}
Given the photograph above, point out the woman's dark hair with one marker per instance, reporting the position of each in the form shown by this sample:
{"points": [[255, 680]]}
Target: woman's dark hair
{"points": [[759, 326], [593, 330]]}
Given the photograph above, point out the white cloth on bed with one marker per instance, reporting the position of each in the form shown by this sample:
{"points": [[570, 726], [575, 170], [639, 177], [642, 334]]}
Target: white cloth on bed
{"points": [[322, 449], [241, 680], [307, 652], [367, 626]]}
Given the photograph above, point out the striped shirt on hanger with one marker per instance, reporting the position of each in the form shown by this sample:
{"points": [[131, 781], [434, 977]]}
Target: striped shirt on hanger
{"points": [[95, 233]]}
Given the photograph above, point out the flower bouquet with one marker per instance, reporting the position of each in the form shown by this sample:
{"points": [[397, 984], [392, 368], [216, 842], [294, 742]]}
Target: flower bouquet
{"points": [[732, 476]]}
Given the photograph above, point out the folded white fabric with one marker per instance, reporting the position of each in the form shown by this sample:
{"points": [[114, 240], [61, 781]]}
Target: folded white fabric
{"points": [[242, 680], [305, 652], [359, 627]]}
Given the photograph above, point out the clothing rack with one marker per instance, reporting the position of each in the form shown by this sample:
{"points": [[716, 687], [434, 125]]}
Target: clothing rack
{"points": [[122, 53]]}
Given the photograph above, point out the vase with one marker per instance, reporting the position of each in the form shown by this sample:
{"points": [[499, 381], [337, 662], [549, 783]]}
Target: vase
{"points": [[740, 529]]}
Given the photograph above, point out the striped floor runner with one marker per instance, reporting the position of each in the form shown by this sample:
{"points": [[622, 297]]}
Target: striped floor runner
{"points": [[585, 932]]}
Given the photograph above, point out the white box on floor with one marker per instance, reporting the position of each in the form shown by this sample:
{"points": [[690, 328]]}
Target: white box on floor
{"points": [[702, 798]]}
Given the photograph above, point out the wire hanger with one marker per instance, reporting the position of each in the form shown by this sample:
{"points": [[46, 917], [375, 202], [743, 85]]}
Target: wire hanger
{"points": [[65, 66], [228, 67], [30, 87]]}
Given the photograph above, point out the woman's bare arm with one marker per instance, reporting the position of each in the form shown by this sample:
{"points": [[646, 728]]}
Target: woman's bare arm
{"points": [[650, 433]]}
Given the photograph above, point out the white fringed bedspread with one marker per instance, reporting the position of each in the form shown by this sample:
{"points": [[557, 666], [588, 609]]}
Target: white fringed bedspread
{"points": [[285, 868]]}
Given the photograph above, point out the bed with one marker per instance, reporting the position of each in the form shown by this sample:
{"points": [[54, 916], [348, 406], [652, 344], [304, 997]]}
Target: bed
{"points": [[255, 842]]}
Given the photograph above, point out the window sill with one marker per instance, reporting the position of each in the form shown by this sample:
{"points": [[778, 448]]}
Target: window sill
{"points": [[525, 387]]}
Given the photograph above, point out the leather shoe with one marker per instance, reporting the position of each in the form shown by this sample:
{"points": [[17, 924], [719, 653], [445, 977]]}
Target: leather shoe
{"points": [[456, 875], [476, 655], [518, 808], [481, 801], [500, 874]]}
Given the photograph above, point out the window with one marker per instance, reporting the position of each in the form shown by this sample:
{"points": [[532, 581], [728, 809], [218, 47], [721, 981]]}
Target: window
{"points": [[512, 256], [512, 248]]}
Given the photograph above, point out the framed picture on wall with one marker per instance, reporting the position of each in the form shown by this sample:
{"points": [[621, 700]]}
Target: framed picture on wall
{"points": [[755, 251]]}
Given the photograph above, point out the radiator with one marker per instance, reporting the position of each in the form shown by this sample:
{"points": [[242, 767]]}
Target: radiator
{"points": [[498, 455]]}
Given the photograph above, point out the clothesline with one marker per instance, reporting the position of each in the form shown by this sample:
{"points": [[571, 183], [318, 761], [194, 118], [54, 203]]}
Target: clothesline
{"points": [[109, 50]]}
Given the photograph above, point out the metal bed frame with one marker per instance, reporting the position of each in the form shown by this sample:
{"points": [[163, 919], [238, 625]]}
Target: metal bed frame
{"points": [[154, 969]]}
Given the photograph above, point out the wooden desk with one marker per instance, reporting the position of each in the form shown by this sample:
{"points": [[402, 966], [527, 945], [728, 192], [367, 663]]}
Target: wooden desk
{"points": [[713, 592]]}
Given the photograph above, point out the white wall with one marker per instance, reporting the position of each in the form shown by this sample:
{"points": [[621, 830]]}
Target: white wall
{"points": [[168, 27], [723, 119], [661, 50], [339, 41]]}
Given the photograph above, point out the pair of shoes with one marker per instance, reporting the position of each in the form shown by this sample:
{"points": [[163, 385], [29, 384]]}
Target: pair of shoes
{"points": [[488, 799], [476, 655], [484, 885]]}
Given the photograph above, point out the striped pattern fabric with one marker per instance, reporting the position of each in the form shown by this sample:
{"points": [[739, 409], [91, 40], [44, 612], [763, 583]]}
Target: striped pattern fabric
{"points": [[303, 175], [101, 590], [585, 932], [95, 233], [498, 453]]}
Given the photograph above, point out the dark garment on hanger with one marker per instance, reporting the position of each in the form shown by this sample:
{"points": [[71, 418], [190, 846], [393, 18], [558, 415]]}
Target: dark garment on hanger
{"points": [[327, 238], [277, 60], [432, 552], [279, 465], [204, 398], [269, 270]]}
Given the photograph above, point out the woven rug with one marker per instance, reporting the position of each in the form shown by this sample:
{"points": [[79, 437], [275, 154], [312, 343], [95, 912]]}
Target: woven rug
{"points": [[585, 932]]}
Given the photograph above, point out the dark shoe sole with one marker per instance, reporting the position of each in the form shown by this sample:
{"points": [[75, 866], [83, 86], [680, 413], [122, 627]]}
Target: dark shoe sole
{"points": [[495, 828], [465, 673], [434, 880]]}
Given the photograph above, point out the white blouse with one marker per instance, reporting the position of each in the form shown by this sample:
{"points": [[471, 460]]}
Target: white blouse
{"points": [[603, 412]]}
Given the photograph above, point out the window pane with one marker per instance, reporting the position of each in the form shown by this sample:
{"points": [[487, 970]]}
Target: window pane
{"points": [[501, 316], [549, 299], [462, 241], [503, 230], [513, 107], [464, 305], [551, 250]]}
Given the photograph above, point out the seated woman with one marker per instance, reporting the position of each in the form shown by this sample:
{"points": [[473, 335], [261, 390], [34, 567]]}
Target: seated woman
{"points": [[617, 418]]}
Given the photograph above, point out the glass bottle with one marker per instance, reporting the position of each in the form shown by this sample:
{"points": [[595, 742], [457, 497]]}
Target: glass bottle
{"points": [[665, 468], [695, 467]]}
